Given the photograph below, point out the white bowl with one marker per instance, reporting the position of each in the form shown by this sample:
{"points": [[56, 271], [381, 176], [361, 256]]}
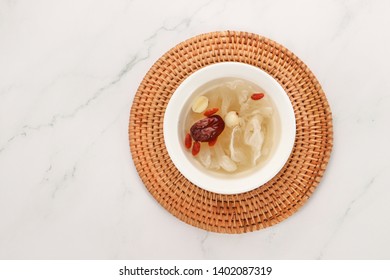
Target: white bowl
{"points": [[178, 107]]}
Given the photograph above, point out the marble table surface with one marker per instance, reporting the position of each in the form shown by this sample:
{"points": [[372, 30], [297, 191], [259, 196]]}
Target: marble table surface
{"points": [[68, 74]]}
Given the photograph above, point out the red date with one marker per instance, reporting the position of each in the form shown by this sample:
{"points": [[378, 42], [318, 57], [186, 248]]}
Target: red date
{"points": [[207, 129]]}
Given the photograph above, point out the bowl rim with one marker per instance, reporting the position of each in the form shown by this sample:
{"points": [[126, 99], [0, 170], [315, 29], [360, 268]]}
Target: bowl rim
{"points": [[244, 182]]}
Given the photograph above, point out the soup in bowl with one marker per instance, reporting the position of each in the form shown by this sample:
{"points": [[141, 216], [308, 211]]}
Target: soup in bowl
{"points": [[229, 127]]}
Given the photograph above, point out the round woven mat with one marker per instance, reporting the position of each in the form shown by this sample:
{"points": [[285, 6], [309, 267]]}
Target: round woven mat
{"points": [[272, 202]]}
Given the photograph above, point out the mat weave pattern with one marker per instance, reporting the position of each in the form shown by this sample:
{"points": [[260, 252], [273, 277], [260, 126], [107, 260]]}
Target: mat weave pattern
{"points": [[272, 202]]}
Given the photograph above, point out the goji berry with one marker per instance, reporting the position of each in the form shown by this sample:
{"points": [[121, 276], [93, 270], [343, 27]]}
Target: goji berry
{"points": [[210, 112], [195, 148], [257, 96], [212, 142], [188, 141]]}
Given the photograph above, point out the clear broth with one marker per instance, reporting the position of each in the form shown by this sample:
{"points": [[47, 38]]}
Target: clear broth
{"points": [[249, 148]]}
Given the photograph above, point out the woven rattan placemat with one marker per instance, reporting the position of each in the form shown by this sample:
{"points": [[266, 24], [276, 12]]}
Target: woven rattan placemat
{"points": [[267, 205]]}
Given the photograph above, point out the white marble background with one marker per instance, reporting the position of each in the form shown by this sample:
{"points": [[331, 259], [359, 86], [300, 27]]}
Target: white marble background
{"points": [[68, 74]]}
